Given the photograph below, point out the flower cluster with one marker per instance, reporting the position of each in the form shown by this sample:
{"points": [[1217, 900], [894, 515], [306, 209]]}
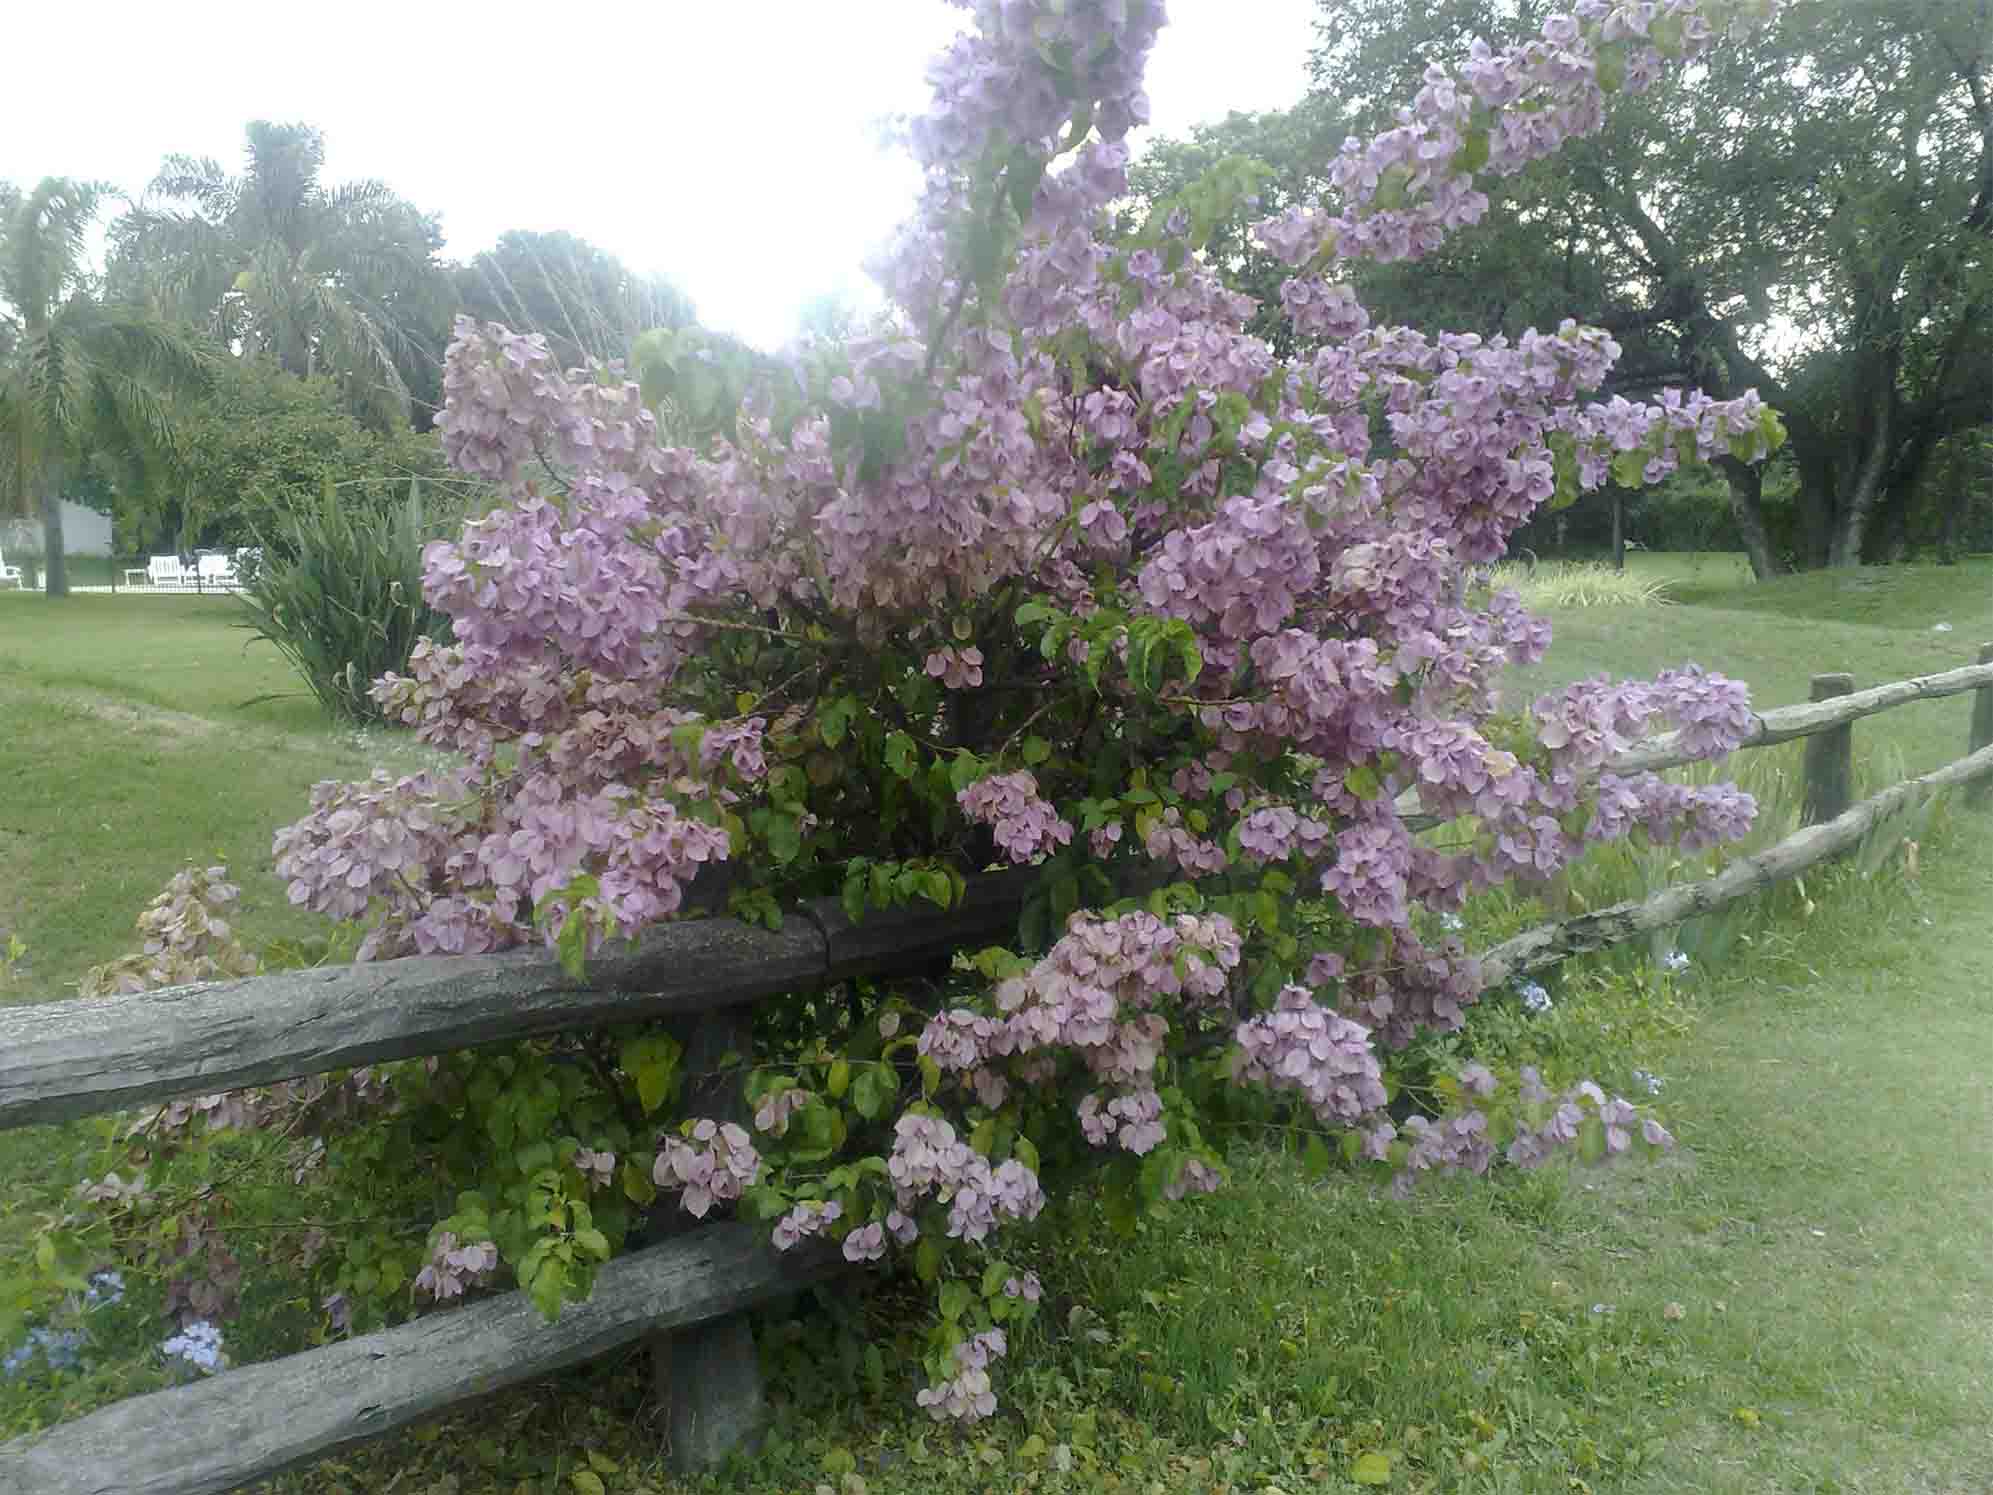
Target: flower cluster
{"points": [[1566, 1117], [712, 1167], [929, 1161], [1407, 188], [958, 669], [966, 1396], [1103, 994], [452, 1267], [198, 1345], [1464, 1141], [1009, 804], [1327, 1058], [803, 1221], [185, 937], [56, 1349]]}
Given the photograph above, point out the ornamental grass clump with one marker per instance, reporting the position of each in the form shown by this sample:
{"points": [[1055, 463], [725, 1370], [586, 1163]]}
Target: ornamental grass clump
{"points": [[338, 590], [1073, 573], [1580, 584]]}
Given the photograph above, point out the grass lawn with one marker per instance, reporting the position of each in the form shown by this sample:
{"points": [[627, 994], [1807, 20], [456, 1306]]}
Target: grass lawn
{"points": [[1800, 1300], [129, 745]]}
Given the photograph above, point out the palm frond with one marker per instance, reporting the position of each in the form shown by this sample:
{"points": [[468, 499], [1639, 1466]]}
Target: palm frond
{"points": [[45, 242]]}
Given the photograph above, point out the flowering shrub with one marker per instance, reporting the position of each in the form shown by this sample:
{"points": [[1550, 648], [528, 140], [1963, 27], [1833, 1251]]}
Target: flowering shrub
{"points": [[1074, 573]]}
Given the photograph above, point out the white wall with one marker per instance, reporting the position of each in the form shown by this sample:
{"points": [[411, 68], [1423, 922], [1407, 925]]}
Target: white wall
{"points": [[84, 532]]}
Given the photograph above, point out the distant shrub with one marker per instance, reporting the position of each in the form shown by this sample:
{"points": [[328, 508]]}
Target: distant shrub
{"points": [[338, 590], [1580, 584]]}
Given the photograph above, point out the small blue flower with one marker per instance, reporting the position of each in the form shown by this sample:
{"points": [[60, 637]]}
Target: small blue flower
{"points": [[1534, 998], [1649, 1082], [1674, 960], [104, 1287], [58, 1349], [199, 1344]]}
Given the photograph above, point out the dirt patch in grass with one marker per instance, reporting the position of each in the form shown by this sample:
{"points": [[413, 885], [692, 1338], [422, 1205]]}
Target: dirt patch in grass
{"points": [[134, 717]]}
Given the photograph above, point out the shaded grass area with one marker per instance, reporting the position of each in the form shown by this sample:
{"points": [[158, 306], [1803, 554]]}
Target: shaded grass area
{"points": [[1822, 1231]]}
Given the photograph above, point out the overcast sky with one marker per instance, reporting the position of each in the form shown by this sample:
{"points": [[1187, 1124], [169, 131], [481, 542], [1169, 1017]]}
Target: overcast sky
{"points": [[728, 143]]}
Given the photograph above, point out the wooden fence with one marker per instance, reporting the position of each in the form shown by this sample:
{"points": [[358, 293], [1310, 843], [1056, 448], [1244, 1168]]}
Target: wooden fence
{"points": [[70, 1059]]}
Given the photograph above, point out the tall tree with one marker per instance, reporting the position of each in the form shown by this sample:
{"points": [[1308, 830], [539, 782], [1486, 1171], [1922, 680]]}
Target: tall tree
{"points": [[1827, 239], [80, 373], [587, 303], [332, 281]]}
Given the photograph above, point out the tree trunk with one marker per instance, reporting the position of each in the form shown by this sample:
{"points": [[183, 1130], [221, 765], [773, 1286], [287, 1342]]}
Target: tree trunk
{"points": [[1891, 542], [1874, 443], [1618, 528], [54, 569], [1816, 505], [1747, 490], [1958, 498]]}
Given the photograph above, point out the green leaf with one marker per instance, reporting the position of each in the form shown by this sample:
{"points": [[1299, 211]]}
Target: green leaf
{"points": [[963, 770], [572, 947], [927, 1259], [1316, 1157], [785, 838], [594, 1242], [840, 1079], [873, 1089], [901, 754], [1372, 1469], [652, 1061], [1591, 1139], [1036, 750], [1025, 171], [1361, 780], [549, 1287], [1473, 152], [1629, 469], [835, 719], [637, 1185], [955, 1300], [587, 1482]]}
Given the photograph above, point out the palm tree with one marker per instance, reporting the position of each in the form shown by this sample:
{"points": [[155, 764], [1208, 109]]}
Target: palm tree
{"points": [[78, 374], [321, 280]]}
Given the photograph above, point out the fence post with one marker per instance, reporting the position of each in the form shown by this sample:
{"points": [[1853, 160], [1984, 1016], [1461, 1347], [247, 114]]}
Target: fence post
{"points": [[1979, 794], [1830, 757], [706, 1380]]}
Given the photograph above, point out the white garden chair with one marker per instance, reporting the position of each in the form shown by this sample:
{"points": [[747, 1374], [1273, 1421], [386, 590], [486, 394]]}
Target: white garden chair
{"points": [[166, 571], [11, 573], [215, 569]]}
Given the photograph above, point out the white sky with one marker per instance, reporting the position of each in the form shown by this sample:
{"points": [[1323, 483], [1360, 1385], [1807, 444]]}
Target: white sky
{"points": [[727, 143]]}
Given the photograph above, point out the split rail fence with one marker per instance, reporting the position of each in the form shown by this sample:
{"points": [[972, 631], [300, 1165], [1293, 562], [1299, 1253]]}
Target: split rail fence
{"points": [[687, 1294]]}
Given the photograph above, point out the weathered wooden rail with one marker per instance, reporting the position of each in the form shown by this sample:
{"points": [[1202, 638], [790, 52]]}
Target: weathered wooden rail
{"points": [[1832, 825], [68, 1059], [218, 1434], [63, 1060], [1823, 713]]}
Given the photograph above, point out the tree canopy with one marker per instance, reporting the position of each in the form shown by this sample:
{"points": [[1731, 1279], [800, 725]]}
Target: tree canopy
{"points": [[322, 280], [585, 301], [1809, 217], [81, 374]]}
